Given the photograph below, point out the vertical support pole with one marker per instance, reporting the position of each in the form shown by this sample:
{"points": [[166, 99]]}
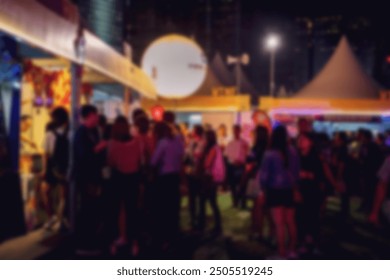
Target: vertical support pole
{"points": [[14, 131], [76, 73], [238, 85], [272, 74]]}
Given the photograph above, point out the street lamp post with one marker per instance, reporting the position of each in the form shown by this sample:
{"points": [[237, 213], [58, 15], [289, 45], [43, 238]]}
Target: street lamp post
{"points": [[237, 61], [272, 43]]}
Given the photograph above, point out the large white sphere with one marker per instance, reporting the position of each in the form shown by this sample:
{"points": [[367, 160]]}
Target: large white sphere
{"points": [[176, 64]]}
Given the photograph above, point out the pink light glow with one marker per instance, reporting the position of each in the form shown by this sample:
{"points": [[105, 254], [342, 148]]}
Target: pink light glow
{"points": [[322, 111]]}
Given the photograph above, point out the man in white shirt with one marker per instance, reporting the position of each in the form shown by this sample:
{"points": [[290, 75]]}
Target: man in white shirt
{"points": [[236, 153]]}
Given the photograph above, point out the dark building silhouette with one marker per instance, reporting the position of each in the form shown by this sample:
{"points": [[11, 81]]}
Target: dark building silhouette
{"points": [[105, 18]]}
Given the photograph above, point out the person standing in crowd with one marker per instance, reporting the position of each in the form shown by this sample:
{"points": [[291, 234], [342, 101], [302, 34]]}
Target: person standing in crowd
{"points": [[279, 176], [236, 152], [170, 119], [103, 128], [212, 172], [167, 160], [124, 158], [185, 131], [261, 139], [310, 187], [304, 126], [56, 148], [381, 192], [371, 160], [223, 140], [193, 153], [222, 136], [139, 112], [339, 165], [141, 134], [86, 173], [381, 142]]}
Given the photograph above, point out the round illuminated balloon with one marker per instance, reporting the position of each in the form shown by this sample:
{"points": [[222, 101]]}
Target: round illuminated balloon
{"points": [[176, 64]]}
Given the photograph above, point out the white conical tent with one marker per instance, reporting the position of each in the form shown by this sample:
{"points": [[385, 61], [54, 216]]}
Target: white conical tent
{"points": [[245, 85], [341, 78], [210, 82], [221, 71]]}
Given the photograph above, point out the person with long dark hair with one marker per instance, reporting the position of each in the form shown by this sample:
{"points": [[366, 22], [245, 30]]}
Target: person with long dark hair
{"points": [[279, 175], [260, 144], [167, 160], [193, 153], [57, 163], [211, 156], [124, 158]]}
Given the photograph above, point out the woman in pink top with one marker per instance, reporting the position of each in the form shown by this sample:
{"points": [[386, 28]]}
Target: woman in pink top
{"points": [[124, 158]]}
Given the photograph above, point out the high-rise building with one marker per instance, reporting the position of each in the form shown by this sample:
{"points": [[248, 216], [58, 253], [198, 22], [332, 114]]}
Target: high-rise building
{"points": [[214, 24], [105, 18], [218, 26]]}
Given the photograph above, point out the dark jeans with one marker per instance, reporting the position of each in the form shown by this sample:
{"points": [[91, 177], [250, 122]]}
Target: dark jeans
{"points": [[167, 206], [309, 211], [209, 193], [235, 174], [88, 215], [370, 182], [125, 190], [194, 186]]}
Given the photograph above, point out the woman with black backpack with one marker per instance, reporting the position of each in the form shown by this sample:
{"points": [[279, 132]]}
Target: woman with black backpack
{"points": [[57, 163]]}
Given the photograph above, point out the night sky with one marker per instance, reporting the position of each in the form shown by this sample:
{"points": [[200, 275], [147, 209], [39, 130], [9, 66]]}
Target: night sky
{"points": [[261, 17]]}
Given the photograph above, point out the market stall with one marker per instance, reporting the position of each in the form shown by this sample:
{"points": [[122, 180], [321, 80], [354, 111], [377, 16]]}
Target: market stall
{"points": [[49, 61]]}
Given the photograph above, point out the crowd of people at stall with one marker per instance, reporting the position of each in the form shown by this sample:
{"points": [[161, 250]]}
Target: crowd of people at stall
{"points": [[123, 184]]}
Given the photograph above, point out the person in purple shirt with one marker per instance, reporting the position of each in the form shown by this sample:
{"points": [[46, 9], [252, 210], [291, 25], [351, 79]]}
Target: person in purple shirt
{"points": [[278, 176], [167, 161]]}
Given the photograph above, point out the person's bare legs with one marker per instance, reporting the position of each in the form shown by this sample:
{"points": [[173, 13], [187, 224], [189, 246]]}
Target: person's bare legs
{"points": [[278, 218], [291, 228], [45, 189]]}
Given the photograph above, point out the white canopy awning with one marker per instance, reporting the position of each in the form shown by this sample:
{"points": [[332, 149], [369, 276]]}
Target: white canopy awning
{"points": [[36, 25]]}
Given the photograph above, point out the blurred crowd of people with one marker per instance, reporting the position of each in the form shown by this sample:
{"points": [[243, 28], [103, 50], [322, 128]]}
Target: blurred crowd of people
{"points": [[129, 180]]}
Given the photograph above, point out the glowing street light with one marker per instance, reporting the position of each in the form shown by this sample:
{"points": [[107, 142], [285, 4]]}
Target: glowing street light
{"points": [[272, 43]]}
